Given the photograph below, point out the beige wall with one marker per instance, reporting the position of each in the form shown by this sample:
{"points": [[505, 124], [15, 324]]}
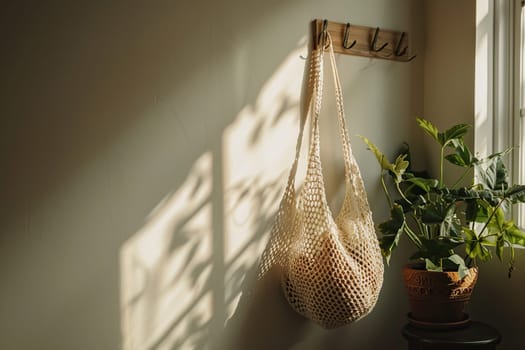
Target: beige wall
{"points": [[144, 150], [450, 47]]}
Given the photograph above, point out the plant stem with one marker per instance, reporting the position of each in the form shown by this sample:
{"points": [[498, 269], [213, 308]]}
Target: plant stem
{"points": [[402, 194], [383, 184], [413, 237], [441, 160], [491, 216], [420, 226]]}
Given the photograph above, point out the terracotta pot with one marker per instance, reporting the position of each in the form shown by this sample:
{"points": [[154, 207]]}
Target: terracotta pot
{"points": [[438, 297]]}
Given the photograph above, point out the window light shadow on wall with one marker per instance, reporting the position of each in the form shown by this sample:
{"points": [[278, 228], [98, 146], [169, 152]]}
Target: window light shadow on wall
{"points": [[182, 272]]}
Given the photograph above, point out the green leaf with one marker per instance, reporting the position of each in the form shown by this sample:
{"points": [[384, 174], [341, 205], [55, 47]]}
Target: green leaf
{"points": [[495, 155], [474, 245], [451, 226], [476, 250], [515, 193], [493, 174], [513, 234], [462, 157], [496, 224], [391, 231], [425, 184], [396, 169], [435, 213], [456, 259], [399, 167], [456, 160], [381, 158], [429, 128], [455, 132], [436, 249], [482, 213], [471, 212], [500, 244], [470, 234], [464, 193], [432, 215], [430, 266], [463, 270]]}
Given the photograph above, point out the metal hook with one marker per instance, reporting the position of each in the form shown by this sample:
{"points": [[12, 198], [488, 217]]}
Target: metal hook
{"points": [[410, 58], [398, 52], [345, 40], [322, 34], [374, 40]]}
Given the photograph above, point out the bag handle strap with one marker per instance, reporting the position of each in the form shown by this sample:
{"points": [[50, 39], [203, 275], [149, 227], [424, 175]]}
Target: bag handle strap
{"points": [[313, 192], [313, 103], [355, 186], [356, 200], [349, 160], [314, 72], [347, 148]]}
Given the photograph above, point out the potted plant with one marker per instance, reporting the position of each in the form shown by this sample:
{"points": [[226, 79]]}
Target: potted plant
{"points": [[452, 227]]}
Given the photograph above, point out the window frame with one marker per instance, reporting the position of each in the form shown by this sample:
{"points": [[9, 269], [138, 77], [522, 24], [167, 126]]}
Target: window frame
{"points": [[499, 86]]}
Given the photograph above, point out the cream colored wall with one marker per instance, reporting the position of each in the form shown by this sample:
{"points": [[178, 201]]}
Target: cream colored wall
{"points": [[450, 45], [144, 150]]}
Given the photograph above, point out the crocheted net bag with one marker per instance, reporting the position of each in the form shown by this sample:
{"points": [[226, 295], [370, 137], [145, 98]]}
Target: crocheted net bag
{"points": [[331, 268]]}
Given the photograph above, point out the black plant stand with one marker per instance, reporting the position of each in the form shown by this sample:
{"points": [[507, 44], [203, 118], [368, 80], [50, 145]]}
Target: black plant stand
{"points": [[476, 335]]}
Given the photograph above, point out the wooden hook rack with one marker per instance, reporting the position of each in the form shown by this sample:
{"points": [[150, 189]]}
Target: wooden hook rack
{"points": [[363, 41]]}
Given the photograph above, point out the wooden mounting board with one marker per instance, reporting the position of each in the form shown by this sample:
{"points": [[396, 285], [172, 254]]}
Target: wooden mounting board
{"points": [[363, 36]]}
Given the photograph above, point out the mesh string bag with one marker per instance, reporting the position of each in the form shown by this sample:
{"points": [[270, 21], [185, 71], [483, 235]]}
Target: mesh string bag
{"points": [[331, 269]]}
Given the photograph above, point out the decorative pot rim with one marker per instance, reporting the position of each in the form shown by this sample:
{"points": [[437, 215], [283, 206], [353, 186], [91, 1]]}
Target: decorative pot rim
{"points": [[440, 286], [410, 266]]}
